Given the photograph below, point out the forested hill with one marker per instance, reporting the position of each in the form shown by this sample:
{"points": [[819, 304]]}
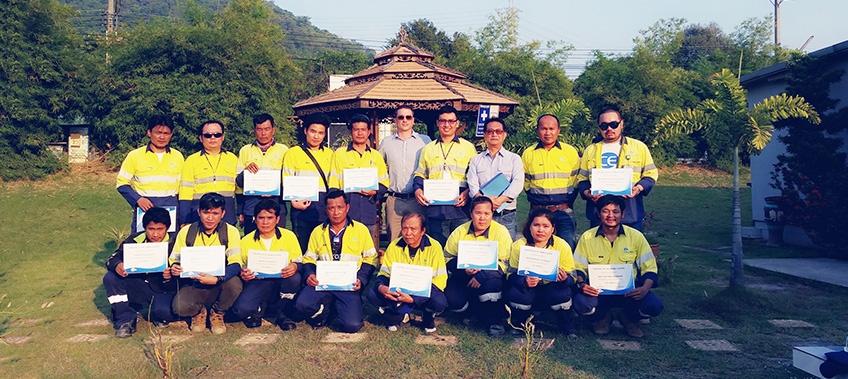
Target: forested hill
{"points": [[302, 38]]}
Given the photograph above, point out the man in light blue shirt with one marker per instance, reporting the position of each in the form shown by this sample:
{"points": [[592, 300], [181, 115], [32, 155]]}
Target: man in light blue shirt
{"points": [[487, 165], [401, 151]]}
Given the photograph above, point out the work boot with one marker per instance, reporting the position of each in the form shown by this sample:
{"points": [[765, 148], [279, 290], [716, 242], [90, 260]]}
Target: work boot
{"points": [[126, 329], [216, 322], [602, 326], [429, 322], [285, 323], [632, 328], [252, 322], [198, 322]]}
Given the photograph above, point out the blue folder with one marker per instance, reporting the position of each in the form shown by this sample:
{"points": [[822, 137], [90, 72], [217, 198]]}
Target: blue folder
{"points": [[495, 188]]}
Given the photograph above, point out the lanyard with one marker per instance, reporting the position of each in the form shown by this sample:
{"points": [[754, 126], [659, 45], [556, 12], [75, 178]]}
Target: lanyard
{"points": [[214, 170], [445, 156]]}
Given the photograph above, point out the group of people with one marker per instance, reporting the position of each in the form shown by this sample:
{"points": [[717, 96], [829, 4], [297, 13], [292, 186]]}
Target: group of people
{"points": [[202, 198]]}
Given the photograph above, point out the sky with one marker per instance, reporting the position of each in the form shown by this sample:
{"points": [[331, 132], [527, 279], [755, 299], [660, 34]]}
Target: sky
{"points": [[606, 25]]}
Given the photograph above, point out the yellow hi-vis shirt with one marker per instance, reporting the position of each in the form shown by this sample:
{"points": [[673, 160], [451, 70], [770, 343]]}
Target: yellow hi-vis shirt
{"points": [[429, 254], [149, 177], [550, 175], [283, 240], [270, 160], [203, 173], [233, 248], [495, 232], [566, 261], [629, 247], [297, 163], [357, 245], [633, 154], [432, 163], [346, 157]]}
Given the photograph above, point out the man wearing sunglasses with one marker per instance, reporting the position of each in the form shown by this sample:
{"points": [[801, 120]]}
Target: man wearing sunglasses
{"points": [[487, 165], [212, 169], [401, 151], [616, 151]]}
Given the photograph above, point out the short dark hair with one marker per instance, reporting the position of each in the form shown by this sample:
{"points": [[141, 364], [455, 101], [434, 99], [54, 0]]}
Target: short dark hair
{"points": [[359, 117], [491, 120], [160, 119], [482, 200], [211, 200], [267, 205], [319, 118], [156, 215], [446, 109], [404, 107], [335, 193], [417, 215], [539, 120], [536, 212], [610, 108], [610, 199], [200, 129], [261, 118]]}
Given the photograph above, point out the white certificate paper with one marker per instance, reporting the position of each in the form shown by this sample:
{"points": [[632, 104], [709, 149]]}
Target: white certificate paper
{"points": [[411, 279], [263, 182], [360, 179], [300, 188], [139, 215], [441, 191], [267, 264], [335, 275], [205, 259], [612, 181], [478, 254], [616, 279], [539, 262], [145, 257]]}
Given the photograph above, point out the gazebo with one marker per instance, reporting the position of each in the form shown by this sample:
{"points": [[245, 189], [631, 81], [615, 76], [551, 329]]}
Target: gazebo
{"points": [[405, 75]]}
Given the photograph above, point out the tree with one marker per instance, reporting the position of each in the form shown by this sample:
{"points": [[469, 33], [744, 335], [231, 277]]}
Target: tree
{"points": [[44, 74], [567, 111], [226, 66], [316, 69], [727, 113]]}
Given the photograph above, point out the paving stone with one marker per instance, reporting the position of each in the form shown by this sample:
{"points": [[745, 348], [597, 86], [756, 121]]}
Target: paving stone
{"points": [[345, 337], [620, 345], [785, 323], [88, 337], [697, 324], [28, 321], [436, 340], [712, 345], [94, 322], [257, 339], [169, 339], [536, 343], [15, 340], [4, 359]]}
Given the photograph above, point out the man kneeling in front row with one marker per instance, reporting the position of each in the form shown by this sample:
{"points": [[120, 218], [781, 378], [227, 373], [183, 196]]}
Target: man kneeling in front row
{"points": [[127, 291], [614, 243], [414, 248]]}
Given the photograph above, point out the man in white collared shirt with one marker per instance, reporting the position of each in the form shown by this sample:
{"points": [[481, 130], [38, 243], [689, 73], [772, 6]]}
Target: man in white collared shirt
{"points": [[401, 151], [487, 165]]}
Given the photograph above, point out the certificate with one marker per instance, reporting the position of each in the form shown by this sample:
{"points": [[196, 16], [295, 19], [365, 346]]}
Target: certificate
{"points": [[411, 279], [300, 188], [612, 181], [145, 257], [139, 216], [205, 259], [335, 275], [539, 262], [360, 179], [441, 191], [478, 254], [614, 279], [267, 264], [263, 182]]}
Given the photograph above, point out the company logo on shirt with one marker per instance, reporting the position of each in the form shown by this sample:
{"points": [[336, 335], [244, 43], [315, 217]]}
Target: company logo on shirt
{"points": [[609, 160]]}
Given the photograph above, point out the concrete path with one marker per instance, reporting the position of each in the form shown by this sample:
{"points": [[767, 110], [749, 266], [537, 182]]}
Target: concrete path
{"points": [[825, 270]]}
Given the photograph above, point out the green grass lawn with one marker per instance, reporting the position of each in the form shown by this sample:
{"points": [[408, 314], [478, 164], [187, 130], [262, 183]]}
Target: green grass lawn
{"points": [[57, 234]]}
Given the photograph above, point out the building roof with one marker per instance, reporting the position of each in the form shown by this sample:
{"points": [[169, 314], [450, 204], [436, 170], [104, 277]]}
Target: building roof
{"points": [[777, 71]]}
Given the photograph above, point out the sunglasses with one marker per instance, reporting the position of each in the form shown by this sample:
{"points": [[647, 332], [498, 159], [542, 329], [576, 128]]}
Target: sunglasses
{"points": [[210, 135], [607, 125], [496, 132], [405, 117]]}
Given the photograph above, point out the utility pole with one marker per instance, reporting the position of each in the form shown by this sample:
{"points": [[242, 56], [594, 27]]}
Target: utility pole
{"points": [[776, 4], [111, 15]]}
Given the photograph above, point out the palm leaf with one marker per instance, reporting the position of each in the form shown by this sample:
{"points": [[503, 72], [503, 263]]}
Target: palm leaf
{"points": [[783, 106], [681, 122]]}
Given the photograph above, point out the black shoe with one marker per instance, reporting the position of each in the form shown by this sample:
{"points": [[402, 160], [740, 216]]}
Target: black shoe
{"points": [[125, 330], [253, 322], [285, 323], [160, 324]]}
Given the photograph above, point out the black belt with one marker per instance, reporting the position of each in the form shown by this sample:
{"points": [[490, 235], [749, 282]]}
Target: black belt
{"points": [[506, 211], [552, 208], [402, 196]]}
